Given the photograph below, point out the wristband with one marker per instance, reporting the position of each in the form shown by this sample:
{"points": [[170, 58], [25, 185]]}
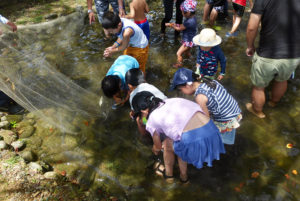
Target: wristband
{"points": [[90, 11], [118, 44]]}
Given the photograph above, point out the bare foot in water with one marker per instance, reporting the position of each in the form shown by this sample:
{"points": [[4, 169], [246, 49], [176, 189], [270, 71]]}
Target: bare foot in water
{"points": [[271, 104], [258, 114]]}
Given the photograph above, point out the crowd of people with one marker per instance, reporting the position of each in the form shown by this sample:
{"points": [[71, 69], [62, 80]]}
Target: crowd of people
{"points": [[196, 133]]}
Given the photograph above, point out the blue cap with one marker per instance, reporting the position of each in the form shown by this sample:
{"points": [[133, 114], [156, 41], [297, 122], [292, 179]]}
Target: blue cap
{"points": [[182, 76]]}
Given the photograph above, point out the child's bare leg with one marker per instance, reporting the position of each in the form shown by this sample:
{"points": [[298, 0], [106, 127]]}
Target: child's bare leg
{"points": [[169, 156], [206, 11], [183, 169], [179, 54], [236, 24], [213, 16], [188, 53]]}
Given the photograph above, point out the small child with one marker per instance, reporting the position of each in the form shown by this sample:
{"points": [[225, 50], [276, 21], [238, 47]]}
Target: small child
{"points": [[189, 29], [209, 54], [6, 21], [238, 12], [138, 8], [136, 83], [213, 99], [113, 84], [131, 38]]}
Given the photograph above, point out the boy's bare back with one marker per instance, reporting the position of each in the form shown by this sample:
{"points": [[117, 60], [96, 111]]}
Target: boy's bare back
{"points": [[138, 8]]}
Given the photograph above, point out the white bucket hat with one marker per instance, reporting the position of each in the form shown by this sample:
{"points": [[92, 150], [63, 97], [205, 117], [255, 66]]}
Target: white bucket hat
{"points": [[207, 38]]}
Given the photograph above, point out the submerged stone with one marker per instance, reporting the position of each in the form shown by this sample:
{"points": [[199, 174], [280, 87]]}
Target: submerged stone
{"points": [[18, 144], [51, 175], [28, 156], [35, 167], [3, 145]]}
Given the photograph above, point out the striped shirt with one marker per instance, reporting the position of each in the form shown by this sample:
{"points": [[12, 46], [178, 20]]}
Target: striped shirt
{"points": [[221, 105]]}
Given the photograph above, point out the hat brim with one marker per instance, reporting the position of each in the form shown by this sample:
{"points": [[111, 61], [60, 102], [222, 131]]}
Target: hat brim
{"points": [[196, 41]]}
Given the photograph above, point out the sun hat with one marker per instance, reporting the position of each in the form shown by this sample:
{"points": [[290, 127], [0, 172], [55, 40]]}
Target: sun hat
{"points": [[181, 76], [188, 6], [207, 38], [141, 101]]}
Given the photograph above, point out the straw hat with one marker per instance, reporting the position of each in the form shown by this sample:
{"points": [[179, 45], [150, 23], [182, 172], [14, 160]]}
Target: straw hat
{"points": [[207, 38]]}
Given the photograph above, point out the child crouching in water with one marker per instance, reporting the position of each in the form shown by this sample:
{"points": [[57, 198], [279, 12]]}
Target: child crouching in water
{"points": [[188, 28], [213, 99], [209, 54]]}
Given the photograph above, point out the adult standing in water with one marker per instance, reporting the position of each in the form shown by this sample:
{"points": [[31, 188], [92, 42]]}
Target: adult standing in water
{"points": [[102, 7], [168, 5], [278, 54]]}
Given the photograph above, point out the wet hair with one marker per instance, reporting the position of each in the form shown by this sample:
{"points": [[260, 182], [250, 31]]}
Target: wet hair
{"points": [[134, 77], [145, 100], [110, 85], [110, 20]]}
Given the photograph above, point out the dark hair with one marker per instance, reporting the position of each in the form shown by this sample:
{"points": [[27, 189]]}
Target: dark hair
{"points": [[110, 85], [110, 20], [134, 77], [144, 100], [209, 82]]}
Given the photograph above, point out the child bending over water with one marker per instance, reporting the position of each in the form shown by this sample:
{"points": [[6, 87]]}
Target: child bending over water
{"points": [[196, 139], [213, 99], [188, 28]]}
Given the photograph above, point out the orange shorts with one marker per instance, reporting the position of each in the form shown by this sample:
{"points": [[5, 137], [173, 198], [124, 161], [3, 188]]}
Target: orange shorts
{"points": [[140, 54]]}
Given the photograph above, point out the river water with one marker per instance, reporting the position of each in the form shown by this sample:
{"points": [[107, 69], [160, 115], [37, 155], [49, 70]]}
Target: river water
{"points": [[258, 167]]}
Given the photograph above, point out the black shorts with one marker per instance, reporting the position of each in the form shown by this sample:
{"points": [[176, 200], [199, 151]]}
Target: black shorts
{"points": [[238, 9]]}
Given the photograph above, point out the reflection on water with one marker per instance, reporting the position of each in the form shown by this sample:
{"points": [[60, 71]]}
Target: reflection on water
{"points": [[258, 167]]}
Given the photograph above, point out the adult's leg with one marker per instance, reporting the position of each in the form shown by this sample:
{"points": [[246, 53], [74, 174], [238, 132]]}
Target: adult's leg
{"points": [[236, 23], [278, 90], [115, 5], [169, 157], [168, 6], [258, 101]]}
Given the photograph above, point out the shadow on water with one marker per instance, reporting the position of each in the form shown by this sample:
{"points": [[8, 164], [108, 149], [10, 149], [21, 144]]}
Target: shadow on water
{"points": [[106, 151]]}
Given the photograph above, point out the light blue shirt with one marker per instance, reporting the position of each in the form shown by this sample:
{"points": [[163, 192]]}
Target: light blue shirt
{"points": [[3, 19], [120, 67]]}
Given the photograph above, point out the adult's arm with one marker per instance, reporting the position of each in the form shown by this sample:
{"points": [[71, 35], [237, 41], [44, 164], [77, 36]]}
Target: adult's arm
{"points": [[121, 8], [251, 34], [90, 10]]}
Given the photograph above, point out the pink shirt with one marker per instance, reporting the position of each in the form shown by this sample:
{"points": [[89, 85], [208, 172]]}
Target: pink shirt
{"points": [[172, 117], [240, 2]]}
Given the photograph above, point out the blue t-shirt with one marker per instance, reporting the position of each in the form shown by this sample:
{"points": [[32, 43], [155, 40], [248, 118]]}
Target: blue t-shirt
{"points": [[120, 67], [208, 61], [221, 105], [191, 29]]}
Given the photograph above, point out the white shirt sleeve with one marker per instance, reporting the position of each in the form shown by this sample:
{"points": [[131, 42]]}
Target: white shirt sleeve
{"points": [[3, 19]]}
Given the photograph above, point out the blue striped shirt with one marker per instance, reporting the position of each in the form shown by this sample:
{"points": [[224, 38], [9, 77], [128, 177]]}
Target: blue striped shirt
{"points": [[221, 105]]}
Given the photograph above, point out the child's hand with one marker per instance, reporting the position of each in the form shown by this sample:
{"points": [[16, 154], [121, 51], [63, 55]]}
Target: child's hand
{"points": [[170, 24], [220, 77], [108, 52]]}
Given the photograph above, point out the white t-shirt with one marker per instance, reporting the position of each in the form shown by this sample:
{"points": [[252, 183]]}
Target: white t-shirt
{"points": [[146, 87]]}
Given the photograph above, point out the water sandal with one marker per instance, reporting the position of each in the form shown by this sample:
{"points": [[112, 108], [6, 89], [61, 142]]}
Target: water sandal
{"points": [[159, 167], [168, 179], [187, 181]]}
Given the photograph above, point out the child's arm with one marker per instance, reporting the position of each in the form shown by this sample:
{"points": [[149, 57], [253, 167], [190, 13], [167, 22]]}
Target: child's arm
{"points": [[222, 59], [177, 27], [132, 12], [156, 143], [141, 126], [201, 99], [123, 44]]}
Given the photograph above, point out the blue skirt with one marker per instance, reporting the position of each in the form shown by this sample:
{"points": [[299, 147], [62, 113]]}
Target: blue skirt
{"points": [[200, 145]]}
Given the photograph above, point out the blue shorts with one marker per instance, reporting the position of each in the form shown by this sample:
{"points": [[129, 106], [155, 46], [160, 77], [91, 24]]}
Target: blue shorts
{"points": [[144, 25], [200, 145]]}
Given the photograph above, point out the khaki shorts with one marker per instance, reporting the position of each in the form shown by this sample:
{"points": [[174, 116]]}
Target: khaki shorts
{"points": [[264, 70]]}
